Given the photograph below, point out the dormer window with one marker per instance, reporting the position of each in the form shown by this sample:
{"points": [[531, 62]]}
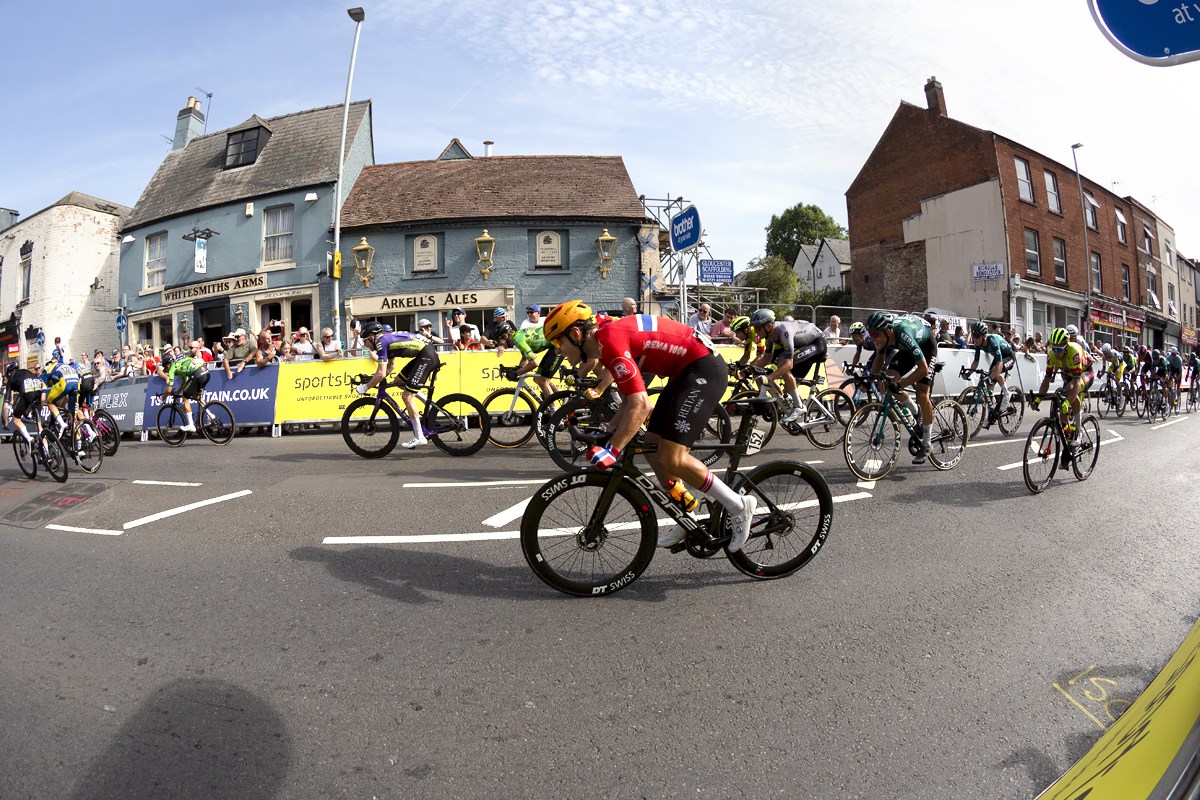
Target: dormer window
{"points": [[243, 147]]}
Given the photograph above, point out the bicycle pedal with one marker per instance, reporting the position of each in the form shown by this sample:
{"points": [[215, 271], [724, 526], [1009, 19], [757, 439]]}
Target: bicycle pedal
{"points": [[678, 548]]}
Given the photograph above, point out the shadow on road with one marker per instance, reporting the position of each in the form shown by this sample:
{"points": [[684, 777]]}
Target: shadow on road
{"points": [[967, 493], [199, 739], [415, 577]]}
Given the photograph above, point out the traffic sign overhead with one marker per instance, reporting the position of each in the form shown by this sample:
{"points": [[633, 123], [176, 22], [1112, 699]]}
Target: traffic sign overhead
{"points": [[686, 229], [1153, 32]]}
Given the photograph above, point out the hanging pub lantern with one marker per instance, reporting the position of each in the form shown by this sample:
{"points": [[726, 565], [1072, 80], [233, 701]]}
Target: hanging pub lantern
{"points": [[606, 246], [485, 246], [364, 254]]}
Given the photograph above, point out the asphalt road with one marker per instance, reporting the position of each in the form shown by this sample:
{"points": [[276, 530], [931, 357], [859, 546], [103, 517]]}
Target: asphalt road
{"points": [[939, 646]]}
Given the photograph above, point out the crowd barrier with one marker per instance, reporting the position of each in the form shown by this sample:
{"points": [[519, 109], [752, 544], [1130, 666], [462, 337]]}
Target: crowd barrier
{"points": [[318, 391]]}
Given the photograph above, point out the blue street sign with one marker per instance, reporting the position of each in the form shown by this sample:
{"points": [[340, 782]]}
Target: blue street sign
{"points": [[41, 340], [686, 229], [716, 271], [1150, 31], [121, 322]]}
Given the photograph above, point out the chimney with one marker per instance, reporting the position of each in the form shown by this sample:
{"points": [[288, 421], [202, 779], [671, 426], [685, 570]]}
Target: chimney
{"points": [[934, 97], [487, 149], [8, 218], [188, 125]]}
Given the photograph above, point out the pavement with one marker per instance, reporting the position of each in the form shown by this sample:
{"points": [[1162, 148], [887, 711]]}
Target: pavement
{"points": [[187, 623]]}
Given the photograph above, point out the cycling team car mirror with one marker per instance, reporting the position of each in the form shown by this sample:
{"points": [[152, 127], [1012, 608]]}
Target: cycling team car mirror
{"points": [[1154, 32]]}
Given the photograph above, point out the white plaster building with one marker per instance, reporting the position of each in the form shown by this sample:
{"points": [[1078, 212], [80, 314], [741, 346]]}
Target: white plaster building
{"points": [[58, 274], [831, 264], [805, 276], [1167, 262]]}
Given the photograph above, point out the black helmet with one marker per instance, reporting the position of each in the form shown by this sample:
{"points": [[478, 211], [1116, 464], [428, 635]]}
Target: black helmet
{"points": [[168, 358], [10, 368], [880, 321], [370, 328]]}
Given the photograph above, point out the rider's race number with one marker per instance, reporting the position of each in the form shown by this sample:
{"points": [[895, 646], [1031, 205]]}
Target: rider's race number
{"points": [[756, 441]]}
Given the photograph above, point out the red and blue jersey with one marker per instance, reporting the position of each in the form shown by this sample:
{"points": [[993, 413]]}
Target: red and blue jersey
{"points": [[643, 343]]}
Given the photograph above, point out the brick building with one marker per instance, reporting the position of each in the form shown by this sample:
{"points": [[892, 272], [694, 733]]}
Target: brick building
{"points": [[944, 214], [58, 276]]}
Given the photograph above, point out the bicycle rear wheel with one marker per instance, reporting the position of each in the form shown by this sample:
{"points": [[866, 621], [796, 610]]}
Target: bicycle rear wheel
{"points": [[169, 420], [717, 430], [367, 432], [975, 405], [832, 430], [561, 550], [511, 415], [24, 452], [785, 537], [457, 424], [872, 442], [1010, 418], [110, 435], [1087, 447], [88, 447], [1041, 456], [217, 423], [55, 459]]}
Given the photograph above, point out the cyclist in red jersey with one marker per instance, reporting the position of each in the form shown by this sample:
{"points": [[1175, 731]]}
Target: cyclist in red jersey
{"points": [[697, 378]]}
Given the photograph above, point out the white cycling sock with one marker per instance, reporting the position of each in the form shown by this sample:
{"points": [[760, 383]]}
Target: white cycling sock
{"points": [[795, 395], [1004, 398], [62, 423], [25, 433], [911, 405], [715, 489]]}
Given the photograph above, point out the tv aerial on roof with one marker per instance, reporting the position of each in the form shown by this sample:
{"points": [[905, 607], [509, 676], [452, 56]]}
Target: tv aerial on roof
{"points": [[207, 108]]}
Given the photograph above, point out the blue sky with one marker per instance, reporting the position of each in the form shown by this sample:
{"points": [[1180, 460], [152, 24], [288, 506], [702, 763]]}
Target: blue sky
{"points": [[744, 108]]}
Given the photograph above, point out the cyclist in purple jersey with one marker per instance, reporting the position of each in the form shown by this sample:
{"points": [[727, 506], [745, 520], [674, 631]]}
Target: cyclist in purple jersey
{"points": [[385, 348]]}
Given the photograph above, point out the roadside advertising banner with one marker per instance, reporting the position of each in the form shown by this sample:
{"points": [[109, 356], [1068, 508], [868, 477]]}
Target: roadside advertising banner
{"points": [[250, 395], [125, 399], [319, 390]]}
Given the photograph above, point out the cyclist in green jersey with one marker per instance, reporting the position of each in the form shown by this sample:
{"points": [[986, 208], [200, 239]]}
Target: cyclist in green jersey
{"points": [[904, 346], [189, 367], [529, 341], [1002, 355]]}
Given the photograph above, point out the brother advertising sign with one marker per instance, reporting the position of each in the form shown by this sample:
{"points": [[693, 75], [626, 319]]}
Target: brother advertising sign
{"points": [[686, 230]]}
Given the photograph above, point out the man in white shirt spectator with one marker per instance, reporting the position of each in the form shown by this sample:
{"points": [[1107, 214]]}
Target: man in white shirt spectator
{"points": [[302, 346], [533, 316], [700, 321], [834, 331], [458, 318]]}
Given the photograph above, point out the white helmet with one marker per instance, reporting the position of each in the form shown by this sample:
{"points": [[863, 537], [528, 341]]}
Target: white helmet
{"points": [[1072, 330], [1104, 348]]}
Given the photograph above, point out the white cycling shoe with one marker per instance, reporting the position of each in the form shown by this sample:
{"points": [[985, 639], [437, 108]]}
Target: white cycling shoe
{"points": [[414, 442], [675, 535], [190, 428], [792, 417], [741, 522]]}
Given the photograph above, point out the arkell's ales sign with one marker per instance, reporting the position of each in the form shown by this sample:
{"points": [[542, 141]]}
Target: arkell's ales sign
{"points": [[225, 286]]}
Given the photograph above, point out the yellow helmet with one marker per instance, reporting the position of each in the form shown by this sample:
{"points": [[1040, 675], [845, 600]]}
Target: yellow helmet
{"points": [[563, 316]]}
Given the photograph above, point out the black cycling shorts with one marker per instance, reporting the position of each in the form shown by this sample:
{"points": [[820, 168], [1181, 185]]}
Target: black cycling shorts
{"points": [[550, 362], [26, 402], [904, 363], [193, 385], [1007, 363], [687, 401], [809, 357], [417, 371]]}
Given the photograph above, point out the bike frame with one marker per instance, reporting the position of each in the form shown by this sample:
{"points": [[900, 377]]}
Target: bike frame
{"points": [[382, 396]]}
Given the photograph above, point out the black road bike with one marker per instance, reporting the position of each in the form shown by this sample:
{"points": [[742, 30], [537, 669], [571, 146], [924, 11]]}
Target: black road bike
{"points": [[594, 532], [1049, 446]]}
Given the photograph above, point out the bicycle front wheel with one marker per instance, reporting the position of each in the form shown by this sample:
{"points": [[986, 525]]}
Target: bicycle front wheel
{"points": [[545, 411], [569, 454], [88, 447], [109, 434], [26, 455], [974, 404], [1041, 456], [169, 421], [367, 432], [457, 424], [872, 442], [217, 423], [1010, 418], [561, 549], [947, 435], [54, 457], [831, 428], [511, 415], [791, 522], [1087, 447]]}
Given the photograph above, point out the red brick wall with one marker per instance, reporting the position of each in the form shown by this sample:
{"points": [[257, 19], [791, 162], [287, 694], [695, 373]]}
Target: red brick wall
{"points": [[920, 155]]}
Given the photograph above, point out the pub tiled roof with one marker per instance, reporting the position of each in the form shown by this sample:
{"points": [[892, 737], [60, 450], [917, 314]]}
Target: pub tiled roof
{"points": [[496, 187], [302, 152]]}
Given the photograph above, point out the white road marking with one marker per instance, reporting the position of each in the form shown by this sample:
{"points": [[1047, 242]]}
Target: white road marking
{"points": [[1104, 442], [507, 515], [496, 535], [989, 444], [866, 484], [1165, 424], [83, 530], [172, 512], [166, 483], [451, 484]]}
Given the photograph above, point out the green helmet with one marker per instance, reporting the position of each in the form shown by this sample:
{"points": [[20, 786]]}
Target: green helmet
{"points": [[880, 321], [979, 328], [762, 317], [1058, 337], [740, 323]]}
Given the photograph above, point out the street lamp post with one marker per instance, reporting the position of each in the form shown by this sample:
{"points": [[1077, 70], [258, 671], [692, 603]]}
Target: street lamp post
{"points": [[356, 14], [1087, 250]]}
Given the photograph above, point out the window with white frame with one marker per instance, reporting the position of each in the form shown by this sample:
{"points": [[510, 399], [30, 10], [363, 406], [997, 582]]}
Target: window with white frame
{"points": [[1089, 208], [1125, 281], [1167, 253], [1097, 282], [26, 274], [1146, 237], [1060, 260], [277, 235], [1052, 192], [156, 260], [1024, 181], [1033, 257], [1122, 235]]}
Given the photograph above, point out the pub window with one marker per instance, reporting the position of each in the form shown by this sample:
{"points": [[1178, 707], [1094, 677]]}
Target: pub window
{"points": [[272, 315], [156, 260], [243, 147], [1033, 258], [277, 235], [145, 334], [166, 334], [301, 315], [1060, 259]]}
